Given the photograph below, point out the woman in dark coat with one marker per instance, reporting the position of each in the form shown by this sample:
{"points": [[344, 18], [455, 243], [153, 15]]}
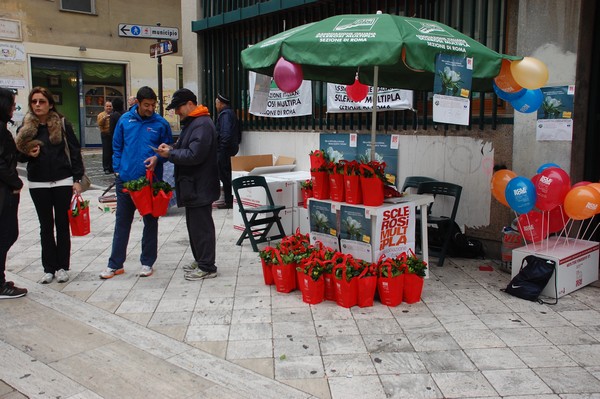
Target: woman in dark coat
{"points": [[10, 189]]}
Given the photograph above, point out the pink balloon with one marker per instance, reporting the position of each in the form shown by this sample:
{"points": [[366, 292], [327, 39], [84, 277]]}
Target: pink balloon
{"points": [[581, 183], [357, 91], [530, 226], [552, 188], [288, 76]]}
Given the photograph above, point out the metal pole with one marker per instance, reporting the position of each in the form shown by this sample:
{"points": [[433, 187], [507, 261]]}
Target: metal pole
{"points": [[374, 112], [160, 80]]}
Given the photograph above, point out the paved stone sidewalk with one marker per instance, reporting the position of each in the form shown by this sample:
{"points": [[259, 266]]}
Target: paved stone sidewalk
{"points": [[234, 337]]}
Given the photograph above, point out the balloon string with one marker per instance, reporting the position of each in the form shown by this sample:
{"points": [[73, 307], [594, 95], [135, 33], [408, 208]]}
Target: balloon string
{"points": [[594, 231], [521, 229], [530, 232], [578, 234], [564, 230], [588, 227]]}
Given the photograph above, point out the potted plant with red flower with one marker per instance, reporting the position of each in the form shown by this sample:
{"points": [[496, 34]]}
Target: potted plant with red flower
{"points": [[391, 279], [306, 187], [416, 270], [372, 180]]}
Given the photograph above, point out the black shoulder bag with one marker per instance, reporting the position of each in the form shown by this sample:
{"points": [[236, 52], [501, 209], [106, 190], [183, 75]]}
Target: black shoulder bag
{"points": [[533, 276]]}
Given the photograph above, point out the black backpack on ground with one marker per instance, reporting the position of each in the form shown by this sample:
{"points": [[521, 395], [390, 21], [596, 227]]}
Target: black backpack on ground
{"points": [[533, 276]]}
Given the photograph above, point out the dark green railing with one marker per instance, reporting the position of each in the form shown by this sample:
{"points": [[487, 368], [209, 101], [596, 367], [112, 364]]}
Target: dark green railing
{"points": [[229, 26]]}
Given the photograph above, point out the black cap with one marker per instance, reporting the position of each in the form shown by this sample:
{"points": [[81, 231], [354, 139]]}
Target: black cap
{"points": [[181, 97], [223, 99]]}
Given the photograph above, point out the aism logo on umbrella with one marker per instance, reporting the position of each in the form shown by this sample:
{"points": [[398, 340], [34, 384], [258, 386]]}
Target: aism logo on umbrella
{"points": [[428, 27], [357, 25]]}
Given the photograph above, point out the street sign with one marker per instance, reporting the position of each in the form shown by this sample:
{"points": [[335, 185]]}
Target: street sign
{"points": [[163, 48], [148, 32]]}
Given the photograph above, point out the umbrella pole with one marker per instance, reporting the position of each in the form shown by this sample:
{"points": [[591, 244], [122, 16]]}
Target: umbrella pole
{"points": [[374, 115]]}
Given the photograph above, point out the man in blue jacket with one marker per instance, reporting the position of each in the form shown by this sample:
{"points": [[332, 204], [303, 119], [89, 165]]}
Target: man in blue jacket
{"points": [[196, 180], [138, 131], [229, 140]]}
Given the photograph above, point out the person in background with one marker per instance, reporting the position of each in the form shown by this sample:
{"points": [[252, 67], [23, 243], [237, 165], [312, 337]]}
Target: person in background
{"points": [[228, 132], [114, 118], [10, 189], [137, 131], [54, 176], [196, 180], [103, 120], [131, 101]]}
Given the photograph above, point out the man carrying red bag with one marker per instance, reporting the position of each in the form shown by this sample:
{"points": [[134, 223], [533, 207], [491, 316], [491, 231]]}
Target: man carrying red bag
{"points": [[196, 180]]}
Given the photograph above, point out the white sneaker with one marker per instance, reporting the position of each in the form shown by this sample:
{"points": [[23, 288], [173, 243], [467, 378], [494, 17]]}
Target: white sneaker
{"points": [[62, 276], [146, 271], [47, 278], [191, 267]]}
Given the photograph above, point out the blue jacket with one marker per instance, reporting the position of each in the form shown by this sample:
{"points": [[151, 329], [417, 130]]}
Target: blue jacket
{"points": [[132, 140]]}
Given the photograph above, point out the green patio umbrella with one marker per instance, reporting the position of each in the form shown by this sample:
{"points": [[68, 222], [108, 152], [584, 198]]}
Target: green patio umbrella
{"points": [[387, 51]]}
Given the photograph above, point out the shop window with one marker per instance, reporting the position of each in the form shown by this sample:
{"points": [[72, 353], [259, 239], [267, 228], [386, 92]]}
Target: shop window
{"points": [[83, 6]]}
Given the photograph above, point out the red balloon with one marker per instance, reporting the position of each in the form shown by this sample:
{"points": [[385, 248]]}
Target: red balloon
{"points": [[530, 226], [581, 183], [557, 219], [357, 91], [287, 75], [552, 188]]}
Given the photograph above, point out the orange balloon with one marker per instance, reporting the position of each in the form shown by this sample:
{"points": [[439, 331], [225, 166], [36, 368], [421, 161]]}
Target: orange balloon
{"points": [[500, 179], [505, 80], [582, 202], [595, 186], [529, 72]]}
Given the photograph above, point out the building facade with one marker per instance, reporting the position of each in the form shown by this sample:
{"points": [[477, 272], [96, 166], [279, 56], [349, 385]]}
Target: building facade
{"points": [[76, 49]]}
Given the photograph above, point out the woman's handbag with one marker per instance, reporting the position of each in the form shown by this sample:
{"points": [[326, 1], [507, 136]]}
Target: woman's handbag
{"points": [[79, 216], [85, 180]]}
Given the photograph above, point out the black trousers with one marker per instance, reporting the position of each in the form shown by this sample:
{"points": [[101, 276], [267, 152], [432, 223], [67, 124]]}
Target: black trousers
{"points": [[224, 160], [107, 152], [9, 230], [203, 241], [52, 205]]}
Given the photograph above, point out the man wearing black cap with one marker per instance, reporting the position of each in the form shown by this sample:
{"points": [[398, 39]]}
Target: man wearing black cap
{"points": [[229, 140], [196, 180]]}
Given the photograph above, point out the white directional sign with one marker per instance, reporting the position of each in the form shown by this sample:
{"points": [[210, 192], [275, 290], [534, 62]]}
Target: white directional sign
{"points": [[148, 32]]}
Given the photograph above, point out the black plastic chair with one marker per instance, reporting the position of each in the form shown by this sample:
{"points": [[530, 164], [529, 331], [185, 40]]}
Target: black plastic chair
{"points": [[258, 221], [443, 223], [414, 181]]}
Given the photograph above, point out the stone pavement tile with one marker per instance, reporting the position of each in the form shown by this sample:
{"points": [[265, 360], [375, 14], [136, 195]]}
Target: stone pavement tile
{"points": [[211, 316], [128, 306], [139, 294], [544, 319], [495, 359], [567, 335], [244, 331], [463, 384], [263, 367], [164, 319], [329, 310], [318, 387], [516, 382], [462, 322], [140, 318], [214, 304], [248, 291], [296, 346], [186, 304], [341, 344], [298, 314], [5, 388], [446, 361], [521, 336], [378, 326], [97, 369], [584, 355], [414, 386], [348, 365], [467, 339], [253, 302], [543, 356], [450, 308], [207, 332], [332, 328], [431, 341], [356, 387], [175, 332], [293, 329], [251, 316], [398, 363], [420, 324], [503, 320], [582, 317], [249, 349], [294, 367], [377, 311], [387, 343], [215, 348], [281, 300]]}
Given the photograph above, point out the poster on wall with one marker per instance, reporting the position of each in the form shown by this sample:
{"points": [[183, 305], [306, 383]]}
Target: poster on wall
{"points": [[386, 150], [355, 232], [555, 115], [451, 89], [387, 100], [394, 231], [281, 104], [342, 146], [322, 219]]}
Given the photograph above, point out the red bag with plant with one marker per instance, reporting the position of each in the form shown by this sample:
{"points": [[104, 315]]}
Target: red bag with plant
{"points": [[311, 282], [346, 281], [367, 283], [352, 190], [391, 279], [161, 196], [416, 270], [336, 181], [140, 192], [372, 180], [79, 216]]}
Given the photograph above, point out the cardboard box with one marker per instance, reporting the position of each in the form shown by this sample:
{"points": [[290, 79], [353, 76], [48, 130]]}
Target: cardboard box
{"points": [[296, 177], [303, 222], [254, 165], [576, 263]]}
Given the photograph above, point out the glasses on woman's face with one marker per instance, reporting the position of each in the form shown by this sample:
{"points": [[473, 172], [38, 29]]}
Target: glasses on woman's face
{"points": [[39, 101]]}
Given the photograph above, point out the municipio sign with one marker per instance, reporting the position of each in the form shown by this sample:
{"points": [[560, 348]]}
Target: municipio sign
{"points": [[164, 47], [148, 32]]}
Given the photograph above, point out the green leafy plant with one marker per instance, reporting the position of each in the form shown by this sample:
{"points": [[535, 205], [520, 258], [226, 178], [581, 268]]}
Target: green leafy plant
{"points": [[349, 264], [551, 106], [415, 265], [136, 185], [451, 81], [306, 184], [392, 267], [161, 186], [82, 205]]}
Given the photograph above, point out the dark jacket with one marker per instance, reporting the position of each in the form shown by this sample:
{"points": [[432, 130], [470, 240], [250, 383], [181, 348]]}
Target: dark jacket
{"points": [[9, 178], [52, 164], [195, 158], [228, 131]]}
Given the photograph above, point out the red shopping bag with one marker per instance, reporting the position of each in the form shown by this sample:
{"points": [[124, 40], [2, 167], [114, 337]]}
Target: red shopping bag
{"points": [[366, 289], [142, 199], [329, 286], [353, 191], [313, 292], [306, 194], [267, 273], [79, 216], [372, 190], [284, 275], [336, 187], [413, 288], [160, 203], [320, 184], [390, 288], [346, 292]]}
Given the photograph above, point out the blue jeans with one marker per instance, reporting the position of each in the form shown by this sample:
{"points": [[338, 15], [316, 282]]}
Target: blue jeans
{"points": [[124, 217]]}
